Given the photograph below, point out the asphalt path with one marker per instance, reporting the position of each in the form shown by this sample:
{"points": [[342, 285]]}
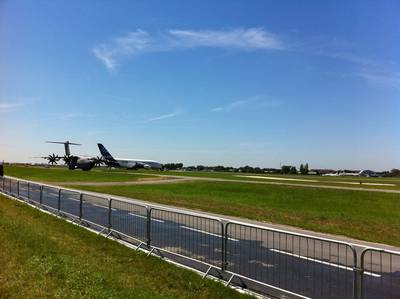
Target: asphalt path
{"points": [[301, 266]]}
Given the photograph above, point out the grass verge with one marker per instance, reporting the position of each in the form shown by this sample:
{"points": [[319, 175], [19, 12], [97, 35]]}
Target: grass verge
{"points": [[44, 257]]}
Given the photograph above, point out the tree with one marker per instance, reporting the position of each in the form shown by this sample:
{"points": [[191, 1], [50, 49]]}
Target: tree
{"points": [[285, 169], [200, 167], [293, 170], [306, 168], [301, 168]]}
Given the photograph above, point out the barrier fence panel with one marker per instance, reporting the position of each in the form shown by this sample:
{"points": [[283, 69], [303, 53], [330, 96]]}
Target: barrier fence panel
{"points": [[14, 187], [95, 210], [33, 191], [129, 219], [381, 274], [303, 265], [188, 235], [2, 183], [23, 189], [50, 198], [70, 203], [5, 185]]}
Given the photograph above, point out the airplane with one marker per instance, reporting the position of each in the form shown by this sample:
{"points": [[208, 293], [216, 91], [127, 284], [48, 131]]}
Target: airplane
{"points": [[127, 163], [73, 161]]}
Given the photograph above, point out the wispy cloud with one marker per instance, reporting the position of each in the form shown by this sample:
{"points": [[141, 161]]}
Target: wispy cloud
{"points": [[140, 41], [134, 42], [381, 78], [161, 117], [250, 39], [7, 107], [250, 103], [74, 115]]}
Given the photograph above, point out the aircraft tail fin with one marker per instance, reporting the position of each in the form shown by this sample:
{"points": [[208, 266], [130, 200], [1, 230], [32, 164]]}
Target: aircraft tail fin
{"points": [[104, 152]]}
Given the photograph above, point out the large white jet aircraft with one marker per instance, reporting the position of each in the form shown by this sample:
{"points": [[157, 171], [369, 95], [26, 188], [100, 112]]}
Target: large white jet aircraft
{"points": [[127, 163]]}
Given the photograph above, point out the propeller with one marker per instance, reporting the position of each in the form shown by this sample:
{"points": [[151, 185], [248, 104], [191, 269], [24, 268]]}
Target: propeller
{"points": [[67, 159], [53, 158], [98, 161]]}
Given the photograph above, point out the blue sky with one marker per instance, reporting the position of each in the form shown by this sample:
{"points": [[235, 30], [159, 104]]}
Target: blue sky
{"points": [[204, 82]]}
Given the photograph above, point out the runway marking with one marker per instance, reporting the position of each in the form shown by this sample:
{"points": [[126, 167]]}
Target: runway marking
{"points": [[275, 178], [144, 217], [208, 233], [322, 262], [99, 206]]}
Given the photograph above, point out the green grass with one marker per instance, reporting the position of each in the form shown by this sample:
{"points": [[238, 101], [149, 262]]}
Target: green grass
{"points": [[44, 257], [54, 174], [371, 216], [57, 174], [321, 180]]}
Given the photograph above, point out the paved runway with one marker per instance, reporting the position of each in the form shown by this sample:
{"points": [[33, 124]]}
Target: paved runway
{"points": [[299, 265]]}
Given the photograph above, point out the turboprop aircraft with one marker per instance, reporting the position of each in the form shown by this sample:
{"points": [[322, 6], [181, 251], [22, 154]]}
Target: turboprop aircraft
{"points": [[73, 161]]}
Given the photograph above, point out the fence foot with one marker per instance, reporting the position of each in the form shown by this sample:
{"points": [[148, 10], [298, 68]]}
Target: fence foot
{"points": [[243, 284], [154, 249], [229, 280], [102, 231], [140, 245], [208, 271]]}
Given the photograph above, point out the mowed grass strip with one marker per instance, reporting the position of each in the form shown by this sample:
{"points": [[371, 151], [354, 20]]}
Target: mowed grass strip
{"points": [[45, 257], [54, 174], [371, 216], [389, 183]]}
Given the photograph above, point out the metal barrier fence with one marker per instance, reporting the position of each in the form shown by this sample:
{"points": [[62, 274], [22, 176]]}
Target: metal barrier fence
{"points": [[300, 264], [277, 262], [380, 276]]}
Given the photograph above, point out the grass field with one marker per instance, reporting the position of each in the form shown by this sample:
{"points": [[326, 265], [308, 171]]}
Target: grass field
{"points": [[348, 181], [359, 182], [65, 175], [370, 216], [45, 257], [122, 175]]}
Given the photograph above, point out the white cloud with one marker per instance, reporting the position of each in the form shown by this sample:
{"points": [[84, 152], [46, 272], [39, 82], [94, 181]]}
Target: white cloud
{"points": [[251, 39], [6, 107], [254, 102], [134, 42], [140, 41], [385, 79], [161, 117]]}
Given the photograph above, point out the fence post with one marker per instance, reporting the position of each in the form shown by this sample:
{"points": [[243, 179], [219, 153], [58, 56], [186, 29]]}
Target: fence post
{"points": [[18, 188], [148, 224], [357, 272], [225, 246], [10, 187], [28, 190], [59, 200], [109, 213], [80, 205], [41, 194], [361, 289]]}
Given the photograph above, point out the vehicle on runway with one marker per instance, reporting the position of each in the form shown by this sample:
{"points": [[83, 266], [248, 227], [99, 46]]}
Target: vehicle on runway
{"points": [[127, 163], [73, 161]]}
